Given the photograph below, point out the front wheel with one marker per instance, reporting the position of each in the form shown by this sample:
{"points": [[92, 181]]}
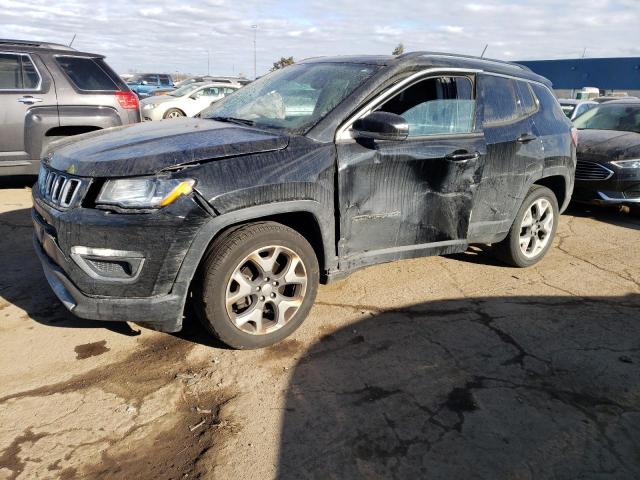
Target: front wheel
{"points": [[257, 285], [533, 229], [174, 113]]}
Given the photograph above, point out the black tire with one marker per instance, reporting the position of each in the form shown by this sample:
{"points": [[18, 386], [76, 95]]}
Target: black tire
{"points": [[509, 249], [173, 113], [224, 256]]}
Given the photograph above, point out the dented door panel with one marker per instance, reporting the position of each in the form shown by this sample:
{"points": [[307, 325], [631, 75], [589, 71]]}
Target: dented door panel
{"points": [[409, 193]]}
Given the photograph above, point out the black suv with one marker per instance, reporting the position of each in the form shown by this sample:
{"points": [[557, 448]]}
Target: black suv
{"points": [[303, 176], [50, 91]]}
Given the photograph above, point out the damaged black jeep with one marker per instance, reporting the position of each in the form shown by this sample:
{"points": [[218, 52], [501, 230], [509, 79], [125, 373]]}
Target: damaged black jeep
{"points": [[302, 177]]}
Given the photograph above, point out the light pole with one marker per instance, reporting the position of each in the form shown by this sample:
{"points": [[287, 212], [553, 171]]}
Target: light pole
{"points": [[255, 30], [208, 61]]}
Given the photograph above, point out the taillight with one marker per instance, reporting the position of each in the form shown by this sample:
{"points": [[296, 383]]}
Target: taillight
{"points": [[128, 100], [574, 136]]}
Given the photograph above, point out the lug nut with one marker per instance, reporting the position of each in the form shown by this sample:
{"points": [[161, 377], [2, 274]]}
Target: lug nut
{"points": [[266, 279], [273, 295], [275, 284], [257, 289], [262, 299]]}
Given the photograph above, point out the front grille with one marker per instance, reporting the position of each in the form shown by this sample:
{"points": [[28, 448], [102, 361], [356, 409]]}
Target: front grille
{"points": [[58, 188], [592, 171]]}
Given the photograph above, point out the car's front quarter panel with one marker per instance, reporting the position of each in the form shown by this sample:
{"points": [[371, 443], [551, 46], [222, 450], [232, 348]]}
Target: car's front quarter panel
{"points": [[162, 237]]}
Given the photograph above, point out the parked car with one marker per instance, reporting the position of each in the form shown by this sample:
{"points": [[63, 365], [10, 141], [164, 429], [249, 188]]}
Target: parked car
{"points": [[186, 101], [50, 91], [612, 97], [574, 108], [208, 78], [246, 211], [145, 84], [608, 170]]}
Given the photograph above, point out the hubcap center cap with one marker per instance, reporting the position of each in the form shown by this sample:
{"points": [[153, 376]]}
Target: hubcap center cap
{"points": [[266, 289]]}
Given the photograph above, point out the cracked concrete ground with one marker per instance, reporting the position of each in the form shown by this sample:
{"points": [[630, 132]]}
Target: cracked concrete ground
{"points": [[448, 368]]}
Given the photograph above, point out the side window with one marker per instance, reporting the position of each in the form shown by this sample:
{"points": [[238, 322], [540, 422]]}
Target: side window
{"points": [[548, 103], [152, 79], [17, 72], [211, 91], [500, 99], [435, 106], [228, 91], [86, 74], [164, 80], [527, 101]]}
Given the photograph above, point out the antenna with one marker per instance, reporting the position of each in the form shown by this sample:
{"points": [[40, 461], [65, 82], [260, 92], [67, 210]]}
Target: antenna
{"points": [[584, 52], [485, 49], [74, 37]]}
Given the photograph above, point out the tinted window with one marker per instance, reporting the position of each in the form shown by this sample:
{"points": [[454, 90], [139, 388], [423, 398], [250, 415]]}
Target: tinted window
{"points": [[164, 80], [86, 74], [500, 98], [526, 99], [17, 72], [548, 103], [435, 106], [150, 78]]}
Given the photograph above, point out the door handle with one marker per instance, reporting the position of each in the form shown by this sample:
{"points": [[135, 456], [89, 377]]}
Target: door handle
{"points": [[526, 138], [462, 155], [29, 100]]}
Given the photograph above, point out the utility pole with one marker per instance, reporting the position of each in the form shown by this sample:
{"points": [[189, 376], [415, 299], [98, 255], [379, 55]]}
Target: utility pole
{"points": [[255, 30], [208, 62]]}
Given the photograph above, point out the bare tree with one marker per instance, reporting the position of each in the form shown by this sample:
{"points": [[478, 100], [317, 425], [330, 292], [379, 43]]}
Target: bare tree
{"points": [[399, 50], [283, 62]]}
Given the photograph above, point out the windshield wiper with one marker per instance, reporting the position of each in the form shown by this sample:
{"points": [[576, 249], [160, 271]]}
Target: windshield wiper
{"points": [[239, 121]]}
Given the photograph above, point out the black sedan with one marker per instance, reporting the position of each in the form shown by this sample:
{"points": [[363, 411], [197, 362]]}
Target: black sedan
{"points": [[608, 170]]}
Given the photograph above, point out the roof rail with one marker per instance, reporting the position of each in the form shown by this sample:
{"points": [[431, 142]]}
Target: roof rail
{"points": [[457, 55], [33, 43]]}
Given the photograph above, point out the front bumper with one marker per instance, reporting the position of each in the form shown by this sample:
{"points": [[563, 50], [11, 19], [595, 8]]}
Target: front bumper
{"points": [[162, 313], [622, 188]]}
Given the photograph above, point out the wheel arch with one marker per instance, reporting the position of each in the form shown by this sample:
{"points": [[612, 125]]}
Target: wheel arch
{"points": [[164, 115], [558, 185], [306, 217]]}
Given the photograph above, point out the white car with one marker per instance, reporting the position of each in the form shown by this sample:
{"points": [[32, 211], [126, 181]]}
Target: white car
{"points": [[186, 101]]}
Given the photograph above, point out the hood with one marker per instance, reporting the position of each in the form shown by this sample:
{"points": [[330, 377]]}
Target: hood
{"points": [[608, 144], [158, 99], [149, 147]]}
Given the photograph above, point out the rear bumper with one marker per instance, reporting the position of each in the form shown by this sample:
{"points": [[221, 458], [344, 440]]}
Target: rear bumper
{"points": [[163, 312]]}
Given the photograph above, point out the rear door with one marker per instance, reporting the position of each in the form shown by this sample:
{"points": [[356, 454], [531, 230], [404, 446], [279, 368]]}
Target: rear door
{"points": [[514, 153], [25, 89], [403, 198]]}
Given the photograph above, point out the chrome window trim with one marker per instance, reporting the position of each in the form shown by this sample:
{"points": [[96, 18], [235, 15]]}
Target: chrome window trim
{"points": [[31, 90], [343, 133]]}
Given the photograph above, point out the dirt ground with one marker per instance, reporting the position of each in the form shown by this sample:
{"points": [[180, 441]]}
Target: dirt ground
{"points": [[439, 368]]}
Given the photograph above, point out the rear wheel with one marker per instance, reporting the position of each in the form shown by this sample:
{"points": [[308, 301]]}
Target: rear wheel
{"points": [[533, 229], [257, 285], [173, 113]]}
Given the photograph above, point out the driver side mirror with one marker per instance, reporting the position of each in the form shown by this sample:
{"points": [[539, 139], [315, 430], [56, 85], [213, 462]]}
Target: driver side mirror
{"points": [[381, 126]]}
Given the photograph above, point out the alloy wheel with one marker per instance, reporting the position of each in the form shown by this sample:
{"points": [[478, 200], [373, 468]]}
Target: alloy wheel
{"points": [[536, 228], [266, 289]]}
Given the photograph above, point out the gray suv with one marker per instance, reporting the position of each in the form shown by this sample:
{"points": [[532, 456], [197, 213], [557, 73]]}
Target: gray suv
{"points": [[50, 91]]}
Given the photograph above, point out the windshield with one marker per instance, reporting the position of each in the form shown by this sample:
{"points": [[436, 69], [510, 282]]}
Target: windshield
{"points": [[184, 90], [293, 98], [610, 117]]}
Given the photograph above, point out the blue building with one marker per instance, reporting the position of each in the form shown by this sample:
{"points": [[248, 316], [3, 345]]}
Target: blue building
{"points": [[609, 74]]}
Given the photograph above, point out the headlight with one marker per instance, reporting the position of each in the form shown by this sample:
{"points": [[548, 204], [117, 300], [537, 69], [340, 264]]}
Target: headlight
{"points": [[149, 106], [632, 163], [144, 192]]}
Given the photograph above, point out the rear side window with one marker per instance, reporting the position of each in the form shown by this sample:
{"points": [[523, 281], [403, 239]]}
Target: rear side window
{"points": [[500, 99], [87, 73], [435, 106], [548, 103], [164, 80], [526, 100], [17, 72]]}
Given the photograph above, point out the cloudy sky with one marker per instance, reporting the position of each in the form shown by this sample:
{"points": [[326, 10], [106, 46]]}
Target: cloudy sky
{"points": [[141, 35]]}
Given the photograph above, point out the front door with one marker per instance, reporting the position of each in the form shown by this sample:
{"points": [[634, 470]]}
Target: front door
{"points": [[23, 89], [405, 198]]}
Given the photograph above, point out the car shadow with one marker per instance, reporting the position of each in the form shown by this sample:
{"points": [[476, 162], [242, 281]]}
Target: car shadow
{"points": [[484, 388], [23, 284], [619, 216]]}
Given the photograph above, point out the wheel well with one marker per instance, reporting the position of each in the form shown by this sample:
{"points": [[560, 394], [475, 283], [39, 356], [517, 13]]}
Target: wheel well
{"points": [[69, 130], [557, 185], [305, 223]]}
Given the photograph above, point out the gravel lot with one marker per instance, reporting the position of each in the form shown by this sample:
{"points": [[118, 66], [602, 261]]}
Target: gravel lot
{"points": [[439, 368]]}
